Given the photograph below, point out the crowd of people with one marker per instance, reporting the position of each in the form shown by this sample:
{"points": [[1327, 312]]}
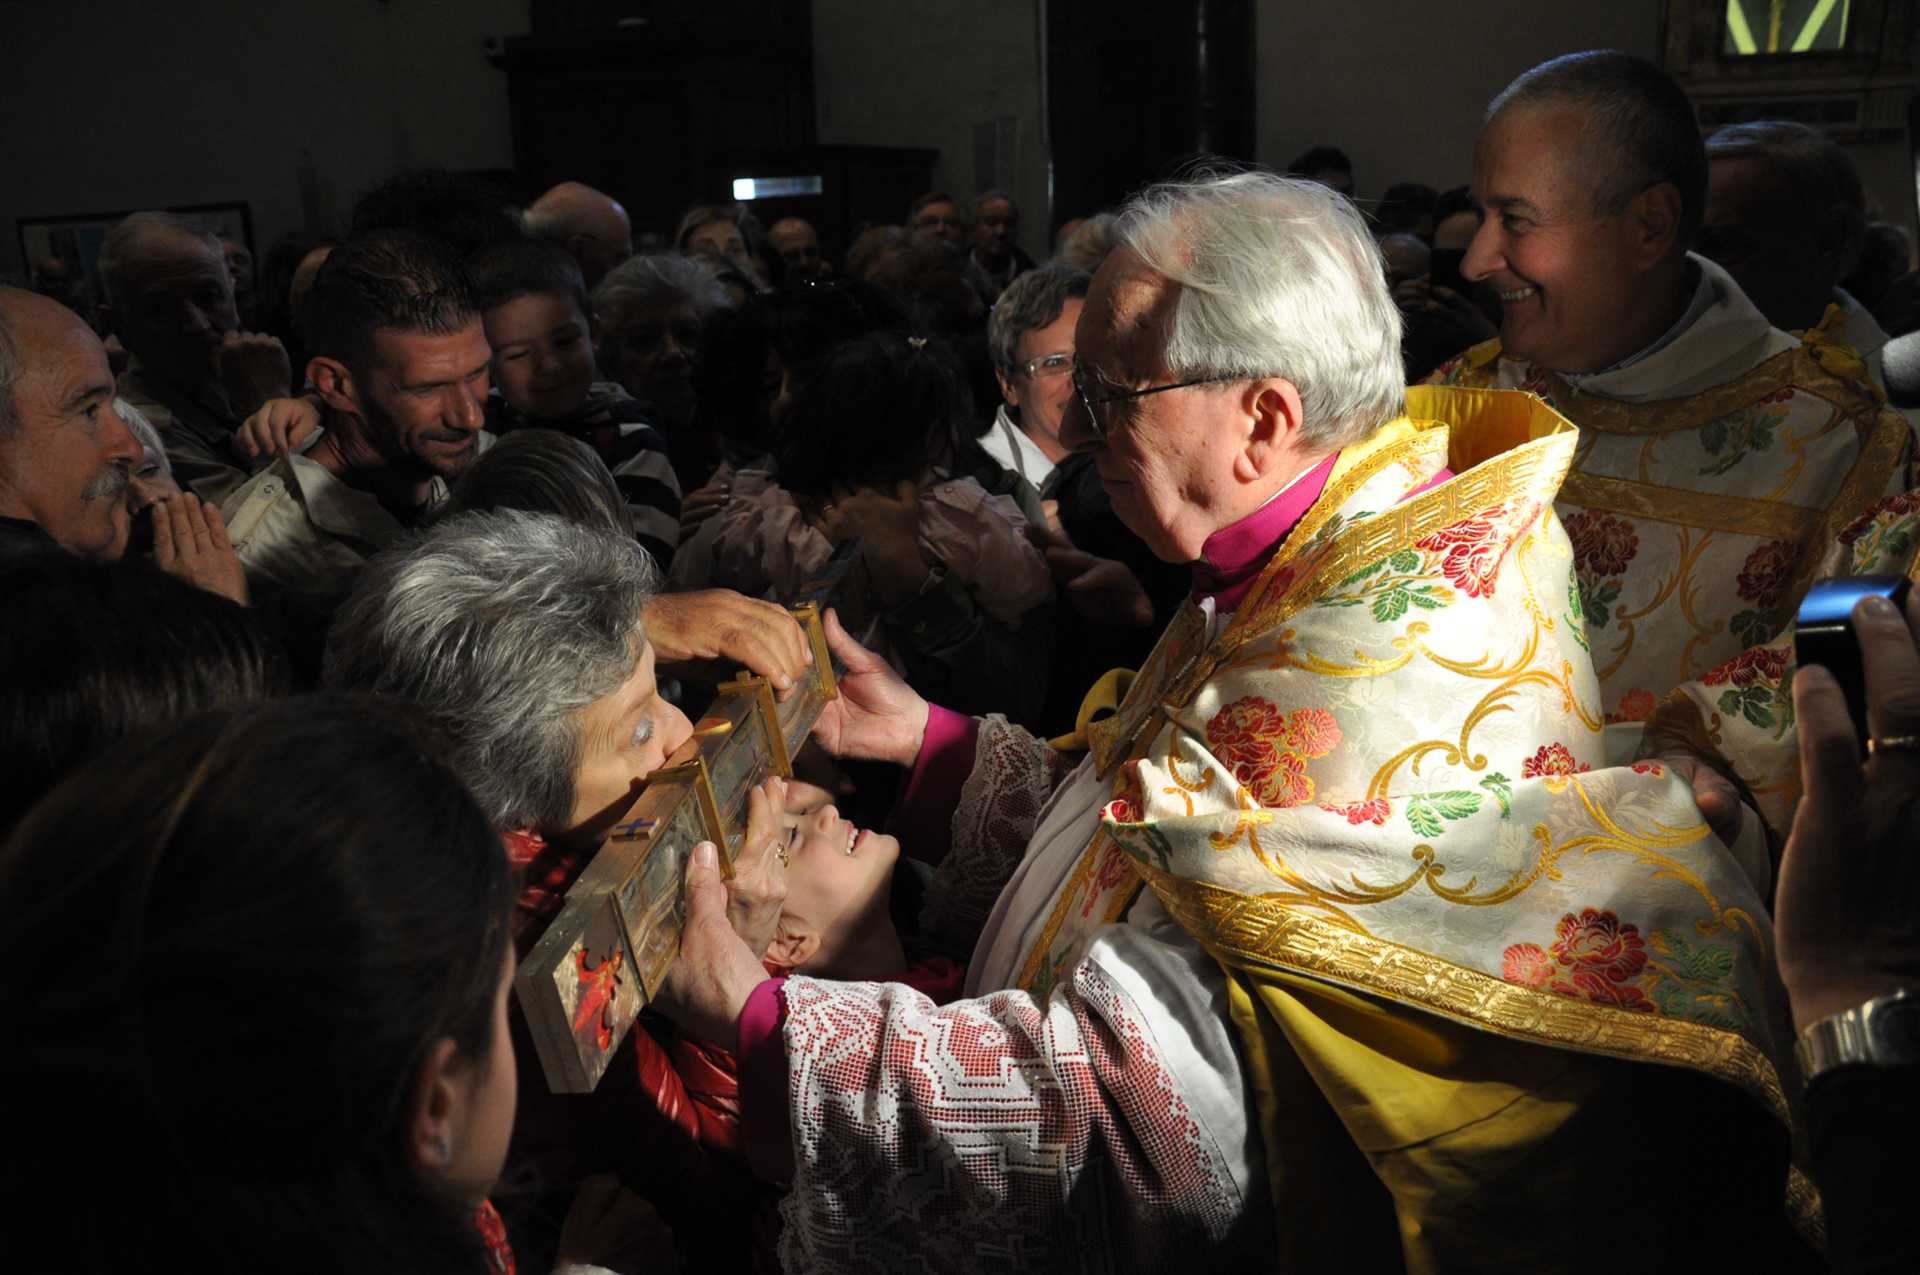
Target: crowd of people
{"points": [[1330, 781]]}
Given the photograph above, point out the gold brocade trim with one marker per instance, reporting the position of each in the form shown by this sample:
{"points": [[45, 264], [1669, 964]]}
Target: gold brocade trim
{"points": [[1883, 446], [1083, 872], [1242, 929], [1533, 468], [1773, 519], [1345, 482], [1804, 1207], [1798, 367]]}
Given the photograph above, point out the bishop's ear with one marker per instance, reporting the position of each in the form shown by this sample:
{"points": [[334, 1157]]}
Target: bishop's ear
{"points": [[794, 943]]}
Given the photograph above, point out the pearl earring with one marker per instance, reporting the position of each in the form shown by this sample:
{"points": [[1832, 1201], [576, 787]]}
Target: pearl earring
{"points": [[444, 1149]]}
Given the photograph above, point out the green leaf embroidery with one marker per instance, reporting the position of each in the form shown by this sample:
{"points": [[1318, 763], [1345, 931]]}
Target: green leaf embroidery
{"points": [[1573, 598], [1596, 599], [1362, 573], [1750, 702], [1389, 605], [1753, 627], [1502, 788], [1404, 560], [1750, 430], [1425, 811], [1707, 963]]}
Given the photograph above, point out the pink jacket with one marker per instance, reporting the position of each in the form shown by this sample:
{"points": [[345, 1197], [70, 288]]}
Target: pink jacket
{"points": [[765, 543]]}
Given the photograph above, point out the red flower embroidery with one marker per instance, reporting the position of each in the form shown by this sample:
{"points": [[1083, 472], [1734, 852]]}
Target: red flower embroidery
{"points": [[1376, 812], [1635, 706], [1131, 805], [1752, 666], [1600, 940], [1527, 964], [1653, 768], [1113, 870], [1764, 576], [1595, 986], [1782, 395], [1552, 759], [1593, 956], [1269, 750], [1891, 506], [1471, 550], [1603, 545]]}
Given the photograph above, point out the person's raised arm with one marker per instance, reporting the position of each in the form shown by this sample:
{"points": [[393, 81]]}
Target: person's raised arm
{"points": [[1847, 925], [692, 631]]}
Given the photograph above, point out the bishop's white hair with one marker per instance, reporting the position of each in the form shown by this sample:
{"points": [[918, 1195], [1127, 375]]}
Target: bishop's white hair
{"points": [[1279, 277]]}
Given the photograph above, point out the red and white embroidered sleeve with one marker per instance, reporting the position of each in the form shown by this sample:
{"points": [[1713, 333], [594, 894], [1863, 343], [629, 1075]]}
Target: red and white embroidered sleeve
{"points": [[1013, 776], [992, 1134]]}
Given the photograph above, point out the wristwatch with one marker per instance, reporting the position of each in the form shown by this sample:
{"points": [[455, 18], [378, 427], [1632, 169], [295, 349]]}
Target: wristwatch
{"points": [[1884, 1032]]}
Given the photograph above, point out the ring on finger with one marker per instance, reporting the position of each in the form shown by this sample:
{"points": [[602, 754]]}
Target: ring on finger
{"points": [[1892, 742], [780, 853]]}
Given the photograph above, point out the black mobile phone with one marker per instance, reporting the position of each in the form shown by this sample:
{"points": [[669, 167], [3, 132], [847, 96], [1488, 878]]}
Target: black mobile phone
{"points": [[1823, 634], [1444, 272]]}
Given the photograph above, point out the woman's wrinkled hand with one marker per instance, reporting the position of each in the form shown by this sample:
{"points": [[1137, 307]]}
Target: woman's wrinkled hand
{"points": [[708, 984]]}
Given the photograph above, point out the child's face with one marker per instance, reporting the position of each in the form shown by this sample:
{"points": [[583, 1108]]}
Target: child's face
{"points": [[542, 353], [838, 879]]}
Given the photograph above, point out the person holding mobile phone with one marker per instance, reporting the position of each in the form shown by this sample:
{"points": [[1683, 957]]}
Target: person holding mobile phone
{"points": [[1847, 921]]}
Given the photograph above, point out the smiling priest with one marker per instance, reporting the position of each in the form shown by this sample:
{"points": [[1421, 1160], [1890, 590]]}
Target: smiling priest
{"points": [[1723, 465]]}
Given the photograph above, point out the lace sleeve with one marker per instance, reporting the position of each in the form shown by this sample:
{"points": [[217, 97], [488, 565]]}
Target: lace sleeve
{"points": [[1013, 776], [947, 1139]]}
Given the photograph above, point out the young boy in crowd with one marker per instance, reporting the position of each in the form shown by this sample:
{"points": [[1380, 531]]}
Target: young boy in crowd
{"points": [[542, 328]]}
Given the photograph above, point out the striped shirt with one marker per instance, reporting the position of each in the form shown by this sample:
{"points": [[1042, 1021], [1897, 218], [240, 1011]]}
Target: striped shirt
{"points": [[620, 428]]}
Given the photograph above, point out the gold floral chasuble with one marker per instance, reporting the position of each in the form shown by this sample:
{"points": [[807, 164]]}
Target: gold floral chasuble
{"points": [[1698, 523], [1385, 780]]}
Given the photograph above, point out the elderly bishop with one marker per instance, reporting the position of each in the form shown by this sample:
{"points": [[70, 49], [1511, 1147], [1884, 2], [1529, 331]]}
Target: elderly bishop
{"points": [[1335, 945]]}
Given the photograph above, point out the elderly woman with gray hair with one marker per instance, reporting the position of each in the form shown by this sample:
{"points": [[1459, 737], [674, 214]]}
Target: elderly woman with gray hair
{"points": [[651, 311], [521, 635]]}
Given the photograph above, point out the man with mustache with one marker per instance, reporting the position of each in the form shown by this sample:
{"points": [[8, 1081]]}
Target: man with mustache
{"points": [[1723, 466], [68, 459]]}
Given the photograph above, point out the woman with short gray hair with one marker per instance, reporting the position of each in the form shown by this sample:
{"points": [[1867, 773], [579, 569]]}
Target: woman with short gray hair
{"points": [[521, 634], [651, 310]]}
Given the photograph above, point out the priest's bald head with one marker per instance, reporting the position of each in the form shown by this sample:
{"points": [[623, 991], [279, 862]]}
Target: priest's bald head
{"points": [[1591, 178], [1239, 334]]}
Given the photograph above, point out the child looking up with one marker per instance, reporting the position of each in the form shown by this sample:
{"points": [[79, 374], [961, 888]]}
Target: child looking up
{"points": [[543, 331]]}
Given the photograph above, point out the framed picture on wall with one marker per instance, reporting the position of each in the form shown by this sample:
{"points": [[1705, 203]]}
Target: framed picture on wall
{"points": [[75, 240]]}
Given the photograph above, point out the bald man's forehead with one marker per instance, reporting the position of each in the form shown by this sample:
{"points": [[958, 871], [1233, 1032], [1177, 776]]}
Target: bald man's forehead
{"points": [[164, 252], [57, 346]]}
